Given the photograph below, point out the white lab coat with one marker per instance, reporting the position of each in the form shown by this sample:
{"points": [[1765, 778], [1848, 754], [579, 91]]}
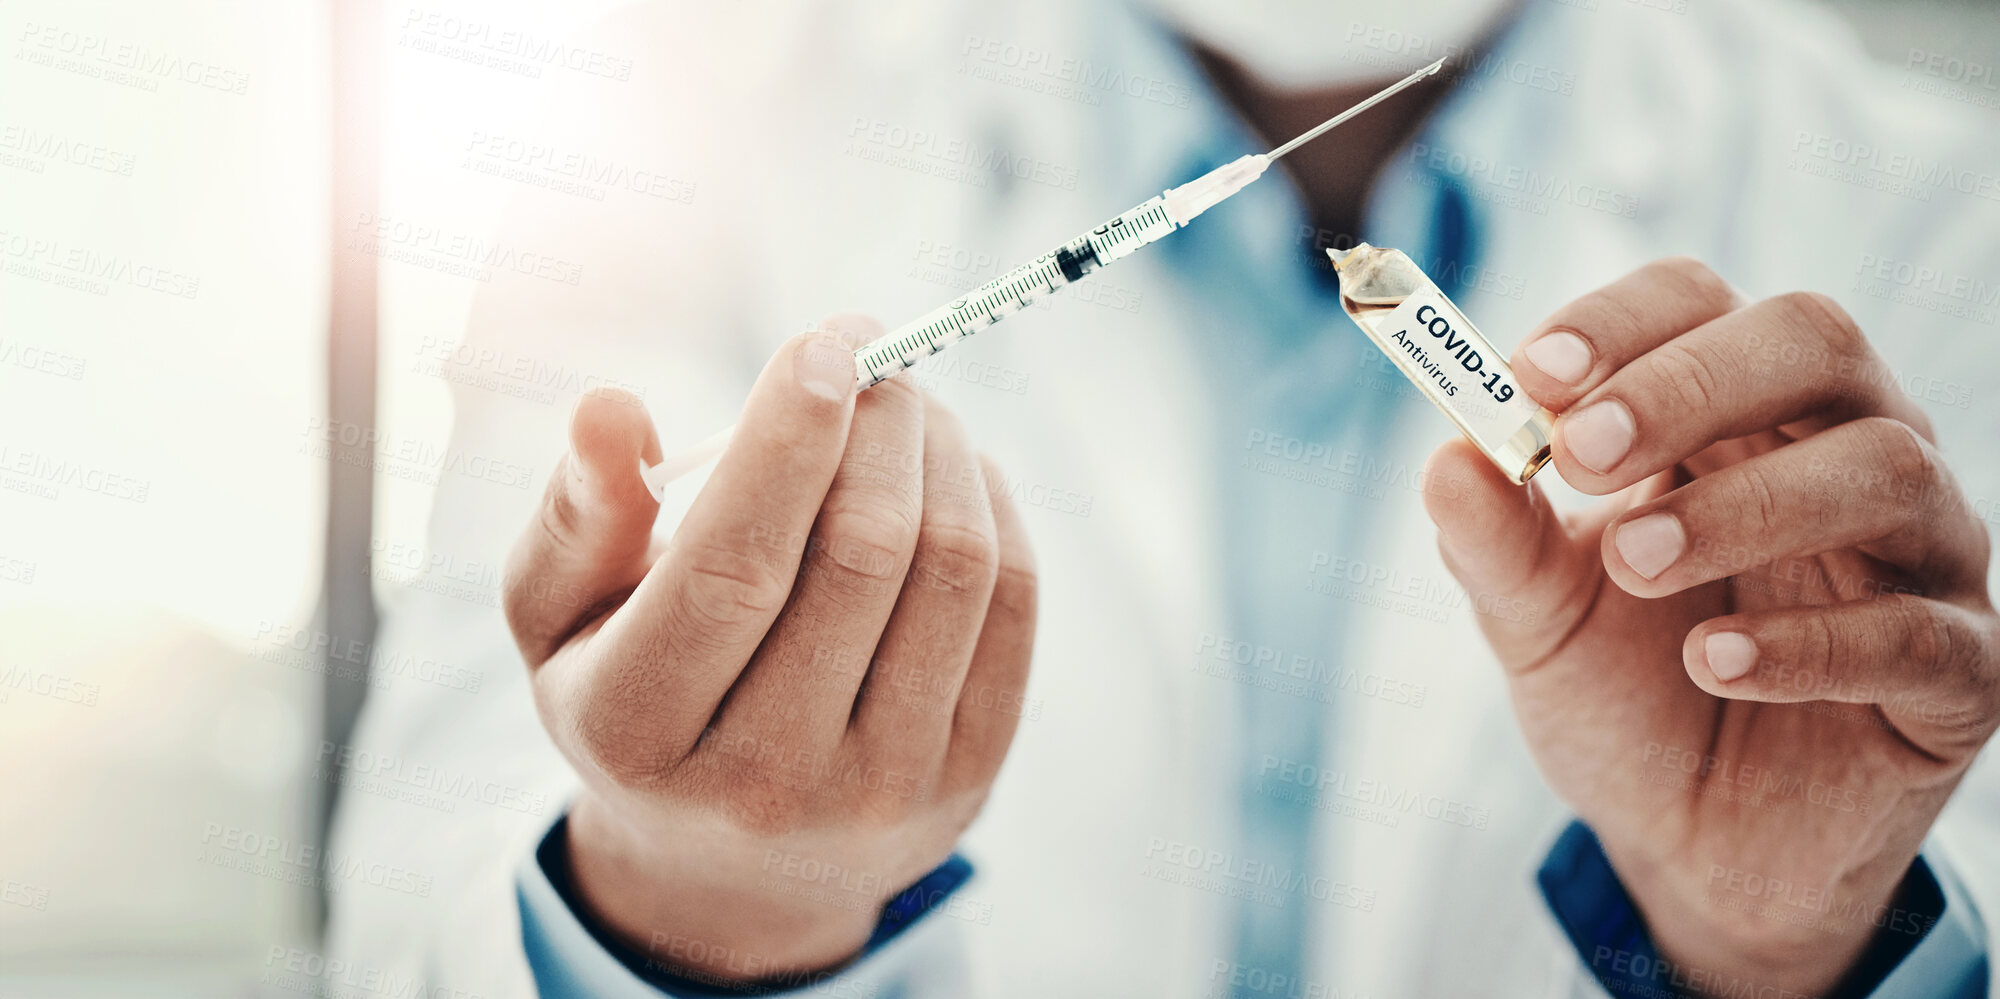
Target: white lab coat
{"points": [[1706, 118]]}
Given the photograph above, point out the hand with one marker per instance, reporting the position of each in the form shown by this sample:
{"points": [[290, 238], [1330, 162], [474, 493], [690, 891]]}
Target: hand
{"points": [[1760, 668], [790, 712]]}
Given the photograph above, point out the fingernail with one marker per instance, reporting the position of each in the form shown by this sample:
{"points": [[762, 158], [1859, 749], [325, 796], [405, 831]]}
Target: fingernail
{"points": [[1599, 435], [1561, 356], [1651, 543], [1730, 655], [824, 366]]}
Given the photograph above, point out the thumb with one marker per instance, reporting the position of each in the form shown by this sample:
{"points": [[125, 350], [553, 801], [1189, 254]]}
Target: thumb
{"points": [[1530, 578], [587, 545]]}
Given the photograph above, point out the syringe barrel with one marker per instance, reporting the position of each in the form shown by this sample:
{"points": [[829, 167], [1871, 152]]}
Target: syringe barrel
{"points": [[1009, 293], [902, 348]]}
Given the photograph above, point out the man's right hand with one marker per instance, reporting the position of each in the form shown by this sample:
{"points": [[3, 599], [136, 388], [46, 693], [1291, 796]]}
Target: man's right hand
{"points": [[790, 712]]}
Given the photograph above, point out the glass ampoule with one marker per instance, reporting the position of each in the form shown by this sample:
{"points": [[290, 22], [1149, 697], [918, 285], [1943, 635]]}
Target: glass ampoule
{"points": [[1444, 355]]}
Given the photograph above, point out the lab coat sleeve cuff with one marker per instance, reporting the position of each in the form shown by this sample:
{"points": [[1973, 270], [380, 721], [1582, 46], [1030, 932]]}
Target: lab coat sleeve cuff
{"points": [[1931, 942], [571, 956]]}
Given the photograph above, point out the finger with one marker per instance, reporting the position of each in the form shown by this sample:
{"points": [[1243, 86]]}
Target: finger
{"points": [[902, 717], [1710, 385], [1873, 484], [587, 546], [992, 701], [799, 689], [1920, 661], [667, 656], [1507, 543], [1587, 340]]}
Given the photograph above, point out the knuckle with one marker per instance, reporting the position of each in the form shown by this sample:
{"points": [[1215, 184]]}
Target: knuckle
{"points": [[558, 518], [1689, 379], [1017, 592], [1926, 638], [1757, 504], [1983, 638], [519, 600], [956, 486], [881, 811], [1942, 650], [1902, 453], [1819, 645], [1952, 648], [1979, 540], [1849, 373], [1826, 320], [1603, 317], [611, 746], [863, 546], [725, 588], [958, 558], [878, 473], [1697, 280], [763, 811], [754, 781]]}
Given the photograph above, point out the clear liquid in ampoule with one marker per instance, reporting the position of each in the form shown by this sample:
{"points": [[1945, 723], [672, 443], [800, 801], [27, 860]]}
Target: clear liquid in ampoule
{"points": [[1444, 355]]}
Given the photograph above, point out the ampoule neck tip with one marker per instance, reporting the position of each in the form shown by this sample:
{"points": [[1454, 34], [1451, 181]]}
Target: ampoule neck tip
{"points": [[1339, 256]]}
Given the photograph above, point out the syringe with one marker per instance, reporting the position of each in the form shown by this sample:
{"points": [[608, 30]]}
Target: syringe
{"points": [[1013, 291]]}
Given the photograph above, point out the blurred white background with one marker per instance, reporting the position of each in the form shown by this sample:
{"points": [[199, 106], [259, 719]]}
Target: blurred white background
{"points": [[166, 238]]}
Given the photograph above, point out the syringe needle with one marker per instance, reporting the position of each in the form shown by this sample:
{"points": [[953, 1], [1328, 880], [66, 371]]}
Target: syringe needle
{"points": [[1323, 127], [1212, 188]]}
